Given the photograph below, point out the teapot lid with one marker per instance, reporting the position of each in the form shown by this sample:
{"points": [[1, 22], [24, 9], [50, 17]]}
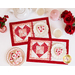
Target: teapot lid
{"points": [[55, 14]]}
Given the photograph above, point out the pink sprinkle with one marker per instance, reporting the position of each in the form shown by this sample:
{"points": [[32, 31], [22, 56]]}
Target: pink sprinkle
{"points": [[39, 29], [57, 49], [18, 51], [11, 53]]}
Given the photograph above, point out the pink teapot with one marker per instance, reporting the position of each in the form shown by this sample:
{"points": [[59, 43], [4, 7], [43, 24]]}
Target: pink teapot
{"points": [[54, 15]]}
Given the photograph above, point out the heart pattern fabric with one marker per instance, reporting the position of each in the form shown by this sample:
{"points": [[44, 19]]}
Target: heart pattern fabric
{"points": [[22, 32], [41, 28], [58, 51], [40, 49]]}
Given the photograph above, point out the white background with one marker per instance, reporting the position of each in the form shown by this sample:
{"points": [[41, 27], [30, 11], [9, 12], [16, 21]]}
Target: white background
{"points": [[44, 70], [5, 40]]}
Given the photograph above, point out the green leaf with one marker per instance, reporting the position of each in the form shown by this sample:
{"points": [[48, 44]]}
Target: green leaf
{"points": [[3, 17], [73, 25], [3, 24]]}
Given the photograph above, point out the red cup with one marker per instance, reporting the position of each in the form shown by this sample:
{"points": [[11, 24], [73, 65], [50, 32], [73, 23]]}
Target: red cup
{"points": [[4, 29]]}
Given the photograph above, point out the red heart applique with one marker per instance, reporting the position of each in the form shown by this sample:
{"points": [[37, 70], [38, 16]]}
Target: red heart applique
{"points": [[22, 33], [41, 28], [40, 49], [58, 51]]}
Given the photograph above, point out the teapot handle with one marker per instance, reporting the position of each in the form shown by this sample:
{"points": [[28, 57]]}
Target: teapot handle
{"points": [[59, 19]]}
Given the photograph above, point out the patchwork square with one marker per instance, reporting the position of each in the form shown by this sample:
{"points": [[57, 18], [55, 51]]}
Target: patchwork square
{"points": [[39, 50], [20, 31]]}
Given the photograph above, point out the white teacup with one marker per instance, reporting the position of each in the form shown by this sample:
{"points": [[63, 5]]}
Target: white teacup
{"points": [[57, 33], [40, 11]]}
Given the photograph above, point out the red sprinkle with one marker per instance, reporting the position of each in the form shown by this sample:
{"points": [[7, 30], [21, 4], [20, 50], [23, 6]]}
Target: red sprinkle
{"points": [[43, 28], [38, 27], [40, 30]]}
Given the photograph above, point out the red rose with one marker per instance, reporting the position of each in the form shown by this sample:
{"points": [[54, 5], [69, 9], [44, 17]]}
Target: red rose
{"points": [[0, 25], [6, 16], [64, 13], [1, 19], [5, 19], [69, 29], [69, 19]]}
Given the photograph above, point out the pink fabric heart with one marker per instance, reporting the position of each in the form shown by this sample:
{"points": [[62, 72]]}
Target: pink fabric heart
{"points": [[43, 49], [22, 33]]}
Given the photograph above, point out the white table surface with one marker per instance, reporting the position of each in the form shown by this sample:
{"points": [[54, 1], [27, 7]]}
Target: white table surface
{"points": [[5, 40]]}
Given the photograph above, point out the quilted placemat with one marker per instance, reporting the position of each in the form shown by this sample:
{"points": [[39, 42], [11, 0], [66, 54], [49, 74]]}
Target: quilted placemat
{"points": [[20, 31], [47, 50]]}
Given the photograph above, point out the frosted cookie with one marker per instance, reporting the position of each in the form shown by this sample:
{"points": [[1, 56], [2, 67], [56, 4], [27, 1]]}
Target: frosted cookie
{"points": [[15, 56], [58, 51], [40, 29], [40, 11]]}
